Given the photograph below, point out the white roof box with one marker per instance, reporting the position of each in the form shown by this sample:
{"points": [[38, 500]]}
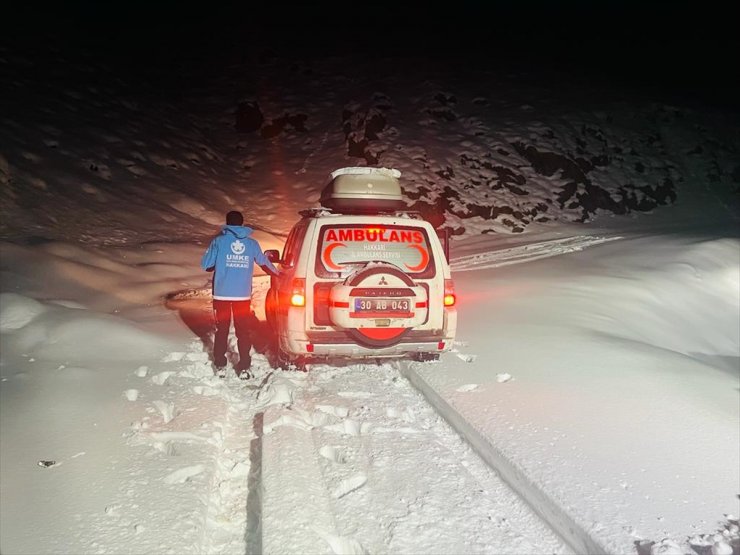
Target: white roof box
{"points": [[363, 190]]}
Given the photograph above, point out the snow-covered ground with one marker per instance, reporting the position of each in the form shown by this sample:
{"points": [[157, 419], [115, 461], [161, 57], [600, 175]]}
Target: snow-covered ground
{"points": [[590, 402]]}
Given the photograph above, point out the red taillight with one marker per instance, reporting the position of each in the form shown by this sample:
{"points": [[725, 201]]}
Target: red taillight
{"points": [[298, 294], [449, 298]]}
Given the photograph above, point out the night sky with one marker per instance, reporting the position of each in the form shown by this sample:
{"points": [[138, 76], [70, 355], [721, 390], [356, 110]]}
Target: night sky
{"points": [[678, 50]]}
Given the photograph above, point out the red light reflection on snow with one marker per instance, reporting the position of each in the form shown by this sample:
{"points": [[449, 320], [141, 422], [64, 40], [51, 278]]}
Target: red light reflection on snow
{"points": [[472, 297]]}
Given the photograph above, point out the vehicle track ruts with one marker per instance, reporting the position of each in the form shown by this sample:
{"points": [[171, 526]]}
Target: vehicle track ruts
{"points": [[390, 471]]}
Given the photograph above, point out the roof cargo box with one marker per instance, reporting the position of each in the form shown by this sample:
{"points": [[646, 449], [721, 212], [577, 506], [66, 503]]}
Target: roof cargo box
{"points": [[363, 190]]}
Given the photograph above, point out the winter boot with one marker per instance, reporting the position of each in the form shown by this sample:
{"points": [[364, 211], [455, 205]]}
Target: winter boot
{"points": [[219, 370], [242, 367]]}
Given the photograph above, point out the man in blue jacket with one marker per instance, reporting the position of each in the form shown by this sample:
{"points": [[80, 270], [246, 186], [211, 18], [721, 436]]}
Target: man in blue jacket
{"points": [[232, 255]]}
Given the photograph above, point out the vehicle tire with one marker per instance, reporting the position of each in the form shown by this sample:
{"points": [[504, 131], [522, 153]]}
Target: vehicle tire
{"points": [[426, 357], [300, 364]]}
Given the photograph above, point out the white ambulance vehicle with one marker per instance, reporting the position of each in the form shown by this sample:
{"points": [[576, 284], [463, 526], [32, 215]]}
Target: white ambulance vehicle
{"points": [[361, 277]]}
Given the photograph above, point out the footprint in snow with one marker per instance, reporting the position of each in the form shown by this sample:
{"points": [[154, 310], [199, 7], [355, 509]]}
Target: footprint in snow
{"points": [[467, 387], [466, 358], [407, 414], [341, 412], [343, 545], [113, 510], [289, 420], [173, 357], [301, 419], [142, 371], [131, 394], [501, 378], [166, 409], [166, 447], [355, 394], [197, 357], [277, 392], [349, 485], [140, 425], [666, 547], [349, 427], [184, 474], [162, 377], [205, 390], [239, 470], [197, 371], [333, 454]]}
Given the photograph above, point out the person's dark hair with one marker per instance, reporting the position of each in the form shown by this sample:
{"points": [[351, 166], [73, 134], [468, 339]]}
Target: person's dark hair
{"points": [[234, 218]]}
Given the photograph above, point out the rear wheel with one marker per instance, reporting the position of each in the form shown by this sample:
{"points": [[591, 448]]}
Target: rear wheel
{"points": [[287, 363], [426, 357], [282, 360], [300, 364]]}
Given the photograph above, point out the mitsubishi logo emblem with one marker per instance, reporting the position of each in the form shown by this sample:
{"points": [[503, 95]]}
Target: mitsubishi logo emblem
{"points": [[382, 281]]}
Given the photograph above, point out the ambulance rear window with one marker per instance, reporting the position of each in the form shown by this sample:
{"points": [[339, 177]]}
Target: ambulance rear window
{"points": [[343, 247]]}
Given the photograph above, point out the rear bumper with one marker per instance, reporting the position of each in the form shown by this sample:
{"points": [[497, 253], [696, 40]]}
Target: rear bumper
{"points": [[297, 341], [358, 351], [339, 344]]}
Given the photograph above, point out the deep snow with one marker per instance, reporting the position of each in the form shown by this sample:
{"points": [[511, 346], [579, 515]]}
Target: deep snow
{"points": [[599, 360]]}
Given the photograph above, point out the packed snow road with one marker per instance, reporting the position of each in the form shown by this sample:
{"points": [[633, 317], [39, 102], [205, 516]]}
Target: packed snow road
{"points": [[389, 473], [336, 460], [341, 459], [148, 452]]}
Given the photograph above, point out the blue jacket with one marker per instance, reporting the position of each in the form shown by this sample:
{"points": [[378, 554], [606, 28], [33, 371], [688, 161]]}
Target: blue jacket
{"points": [[232, 254]]}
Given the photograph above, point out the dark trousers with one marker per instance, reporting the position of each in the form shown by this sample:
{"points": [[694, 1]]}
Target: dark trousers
{"points": [[222, 312]]}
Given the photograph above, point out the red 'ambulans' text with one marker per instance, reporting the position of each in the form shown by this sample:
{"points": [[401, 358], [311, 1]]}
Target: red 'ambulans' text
{"points": [[374, 235]]}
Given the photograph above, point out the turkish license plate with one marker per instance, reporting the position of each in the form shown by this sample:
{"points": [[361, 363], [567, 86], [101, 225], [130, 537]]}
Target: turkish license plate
{"points": [[382, 305]]}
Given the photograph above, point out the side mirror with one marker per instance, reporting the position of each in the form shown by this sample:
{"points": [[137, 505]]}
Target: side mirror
{"points": [[273, 255]]}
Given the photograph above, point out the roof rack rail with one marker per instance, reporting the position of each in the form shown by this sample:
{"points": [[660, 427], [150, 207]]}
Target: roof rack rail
{"points": [[315, 211], [322, 211], [410, 213]]}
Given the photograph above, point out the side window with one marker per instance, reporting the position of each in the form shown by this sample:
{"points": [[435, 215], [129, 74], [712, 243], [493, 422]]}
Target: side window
{"points": [[293, 243]]}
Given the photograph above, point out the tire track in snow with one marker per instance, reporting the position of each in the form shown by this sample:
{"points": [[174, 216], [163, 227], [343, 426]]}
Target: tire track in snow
{"points": [[367, 465], [526, 253], [357, 451], [545, 507]]}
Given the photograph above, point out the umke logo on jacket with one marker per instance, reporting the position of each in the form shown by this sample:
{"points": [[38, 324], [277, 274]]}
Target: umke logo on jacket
{"points": [[237, 247], [238, 259]]}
